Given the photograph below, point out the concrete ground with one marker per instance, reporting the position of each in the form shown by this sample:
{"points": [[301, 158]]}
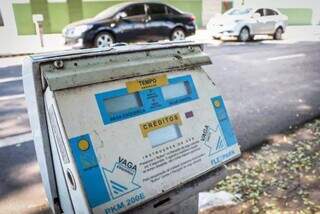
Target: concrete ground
{"points": [[282, 176], [269, 87]]}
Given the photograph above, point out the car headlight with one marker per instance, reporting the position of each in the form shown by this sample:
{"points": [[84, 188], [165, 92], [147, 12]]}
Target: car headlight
{"points": [[210, 24], [77, 30]]}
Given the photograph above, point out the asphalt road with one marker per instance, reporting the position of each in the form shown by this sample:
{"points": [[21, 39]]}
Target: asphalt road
{"points": [[268, 89], [13, 113]]}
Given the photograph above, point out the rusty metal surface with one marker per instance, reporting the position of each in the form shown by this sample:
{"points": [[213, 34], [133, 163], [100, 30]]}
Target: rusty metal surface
{"points": [[124, 63]]}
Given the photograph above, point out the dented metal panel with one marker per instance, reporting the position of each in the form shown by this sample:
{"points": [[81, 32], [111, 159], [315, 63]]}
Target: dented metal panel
{"points": [[67, 73]]}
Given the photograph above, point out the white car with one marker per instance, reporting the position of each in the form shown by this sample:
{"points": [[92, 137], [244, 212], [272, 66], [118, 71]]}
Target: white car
{"points": [[244, 23]]}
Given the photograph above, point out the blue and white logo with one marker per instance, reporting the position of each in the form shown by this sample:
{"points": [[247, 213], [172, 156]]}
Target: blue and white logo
{"points": [[213, 139], [121, 178]]}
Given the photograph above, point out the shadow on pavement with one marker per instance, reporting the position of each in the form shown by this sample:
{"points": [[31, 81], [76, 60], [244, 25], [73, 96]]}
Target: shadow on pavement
{"points": [[16, 170], [20, 181], [13, 112], [11, 71], [13, 118]]}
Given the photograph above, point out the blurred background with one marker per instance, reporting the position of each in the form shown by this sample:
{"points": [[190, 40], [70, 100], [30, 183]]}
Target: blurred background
{"points": [[18, 29]]}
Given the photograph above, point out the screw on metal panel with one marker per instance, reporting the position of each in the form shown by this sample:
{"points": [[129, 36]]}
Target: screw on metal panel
{"points": [[191, 48], [58, 64]]}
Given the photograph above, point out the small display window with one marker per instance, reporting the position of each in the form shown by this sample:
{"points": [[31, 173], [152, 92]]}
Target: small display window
{"points": [[122, 103], [164, 135], [176, 90]]}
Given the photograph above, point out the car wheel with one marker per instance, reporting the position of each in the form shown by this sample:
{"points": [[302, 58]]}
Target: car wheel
{"points": [[244, 35], [177, 34], [103, 40], [278, 34]]}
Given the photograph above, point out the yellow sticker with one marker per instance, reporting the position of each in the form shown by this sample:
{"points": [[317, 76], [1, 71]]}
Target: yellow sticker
{"points": [[159, 123], [83, 145], [217, 103], [147, 83]]}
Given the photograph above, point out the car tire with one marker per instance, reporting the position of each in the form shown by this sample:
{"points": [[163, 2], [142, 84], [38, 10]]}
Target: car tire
{"points": [[244, 35], [278, 34], [104, 40], [177, 34]]}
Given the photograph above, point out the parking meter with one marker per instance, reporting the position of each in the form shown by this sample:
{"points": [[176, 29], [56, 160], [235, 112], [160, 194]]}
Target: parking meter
{"points": [[137, 129]]}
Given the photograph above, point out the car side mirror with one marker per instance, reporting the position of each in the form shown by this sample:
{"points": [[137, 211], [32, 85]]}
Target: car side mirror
{"points": [[256, 15], [121, 15]]}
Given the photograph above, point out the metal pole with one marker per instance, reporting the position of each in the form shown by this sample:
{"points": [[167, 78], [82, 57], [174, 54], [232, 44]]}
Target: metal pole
{"points": [[39, 30], [38, 22]]}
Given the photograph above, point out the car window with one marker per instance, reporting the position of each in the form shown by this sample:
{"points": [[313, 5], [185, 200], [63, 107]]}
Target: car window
{"points": [[134, 10], [172, 11], [156, 9], [260, 11], [270, 12], [239, 11]]}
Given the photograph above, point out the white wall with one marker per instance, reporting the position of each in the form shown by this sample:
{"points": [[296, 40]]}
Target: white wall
{"points": [[209, 9], [9, 28]]}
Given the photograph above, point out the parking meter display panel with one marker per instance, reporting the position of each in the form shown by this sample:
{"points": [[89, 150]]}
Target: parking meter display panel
{"points": [[161, 136]]}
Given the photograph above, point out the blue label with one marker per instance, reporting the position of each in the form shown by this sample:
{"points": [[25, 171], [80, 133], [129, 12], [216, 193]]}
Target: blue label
{"points": [[89, 171], [149, 100], [223, 118]]}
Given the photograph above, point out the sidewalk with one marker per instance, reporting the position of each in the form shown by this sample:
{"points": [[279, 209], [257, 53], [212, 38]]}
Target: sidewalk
{"points": [[21, 45]]}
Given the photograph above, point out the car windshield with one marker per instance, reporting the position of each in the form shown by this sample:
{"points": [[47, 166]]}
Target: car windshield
{"points": [[111, 11], [238, 11]]}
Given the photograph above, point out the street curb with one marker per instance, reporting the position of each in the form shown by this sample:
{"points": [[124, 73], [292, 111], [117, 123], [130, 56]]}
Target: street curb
{"points": [[14, 55]]}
